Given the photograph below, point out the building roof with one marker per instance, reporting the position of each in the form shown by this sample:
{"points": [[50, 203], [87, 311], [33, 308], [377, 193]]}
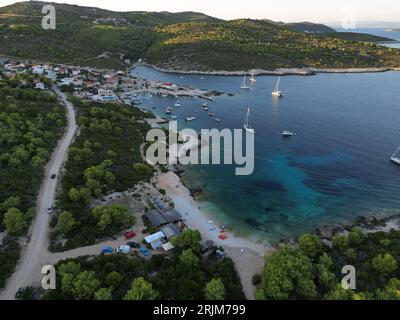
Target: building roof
{"points": [[167, 246], [155, 218], [170, 231], [172, 215], [155, 237]]}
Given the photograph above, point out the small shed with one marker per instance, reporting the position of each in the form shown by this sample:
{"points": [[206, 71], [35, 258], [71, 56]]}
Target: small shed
{"points": [[155, 240], [170, 230], [172, 216], [155, 218], [168, 246]]}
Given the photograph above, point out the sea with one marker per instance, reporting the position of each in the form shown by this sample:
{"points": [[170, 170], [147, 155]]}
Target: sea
{"points": [[334, 170]]}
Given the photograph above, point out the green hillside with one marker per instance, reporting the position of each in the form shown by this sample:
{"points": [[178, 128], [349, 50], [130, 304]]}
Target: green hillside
{"points": [[260, 44], [185, 40], [309, 27]]}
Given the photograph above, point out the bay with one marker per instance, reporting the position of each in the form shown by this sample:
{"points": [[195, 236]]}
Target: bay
{"points": [[336, 168]]}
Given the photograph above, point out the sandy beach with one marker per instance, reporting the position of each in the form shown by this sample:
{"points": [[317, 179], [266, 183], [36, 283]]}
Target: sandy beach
{"points": [[247, 255]]}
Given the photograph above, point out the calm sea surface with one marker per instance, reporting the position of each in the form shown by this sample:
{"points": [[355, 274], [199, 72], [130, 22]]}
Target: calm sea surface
{"points": [[335, 169]]}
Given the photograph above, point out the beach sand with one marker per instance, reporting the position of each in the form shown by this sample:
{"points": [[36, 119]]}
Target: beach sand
{"points": [[247, 255]]}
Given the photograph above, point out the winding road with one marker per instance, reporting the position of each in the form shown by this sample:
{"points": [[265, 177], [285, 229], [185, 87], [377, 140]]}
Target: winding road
{"points": [[36, 254]]}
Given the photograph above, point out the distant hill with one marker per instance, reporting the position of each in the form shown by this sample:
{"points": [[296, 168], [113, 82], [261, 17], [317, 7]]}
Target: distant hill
{"points": [[137, 18], [354, 36], [186, 40], [309, 27], [261, 44]]}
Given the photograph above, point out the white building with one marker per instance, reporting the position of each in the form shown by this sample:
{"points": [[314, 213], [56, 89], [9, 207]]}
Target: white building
{"points": [[156, 240], [40, 86], [52, 75], [105, 92], [38, 70], [66, 81]]}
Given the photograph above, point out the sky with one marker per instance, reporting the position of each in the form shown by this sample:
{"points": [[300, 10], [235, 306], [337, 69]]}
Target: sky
{"points": [[278, 10]]}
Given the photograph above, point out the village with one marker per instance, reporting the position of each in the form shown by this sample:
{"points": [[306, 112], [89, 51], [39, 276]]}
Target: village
{"points": [[157, 227], [97, 85]]}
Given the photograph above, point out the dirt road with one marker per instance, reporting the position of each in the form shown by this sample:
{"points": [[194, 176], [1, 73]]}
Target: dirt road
{"points": [[35, 254]]}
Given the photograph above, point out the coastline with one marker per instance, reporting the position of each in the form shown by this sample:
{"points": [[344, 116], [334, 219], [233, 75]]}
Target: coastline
{"points": [[247, 255], [309, 71]]}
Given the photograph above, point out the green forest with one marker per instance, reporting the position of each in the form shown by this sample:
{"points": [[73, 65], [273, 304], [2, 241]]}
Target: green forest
{"points": [[31, 122], [182, 275], [184, 41], [262, 44], [105, 157], [313, 270]]}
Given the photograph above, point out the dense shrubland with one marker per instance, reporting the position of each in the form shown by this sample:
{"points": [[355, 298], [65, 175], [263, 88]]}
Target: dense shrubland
{"points": [[184, 41], [105, 157], [183, 275], [31, 122], [313, 270]]}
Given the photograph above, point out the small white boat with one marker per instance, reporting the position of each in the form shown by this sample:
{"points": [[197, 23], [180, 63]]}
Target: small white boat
{"points": [[218, 120], [205, 108], [244, 85], [246, 124], [205, 104], [211, 114], [252, 78], [177, 105], [169, 110], [395, 158], [188, 119], [277, 92], [287, 133]]}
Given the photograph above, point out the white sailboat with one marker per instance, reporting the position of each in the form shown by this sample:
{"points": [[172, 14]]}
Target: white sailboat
{"points": [[277, 92], [287, 134], [244, 85], [252, 78], [396, 156], [246, 124]]}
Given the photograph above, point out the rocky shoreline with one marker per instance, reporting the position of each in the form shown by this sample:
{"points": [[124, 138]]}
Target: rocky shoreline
{"points": [[276, 72]]}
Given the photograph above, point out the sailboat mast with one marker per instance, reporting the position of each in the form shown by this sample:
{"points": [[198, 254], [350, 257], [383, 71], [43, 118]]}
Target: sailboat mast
{"points": [[394, 154], [277, 84]]}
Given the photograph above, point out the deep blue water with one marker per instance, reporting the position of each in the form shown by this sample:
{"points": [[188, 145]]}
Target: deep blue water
{"points": [[335, 169]]}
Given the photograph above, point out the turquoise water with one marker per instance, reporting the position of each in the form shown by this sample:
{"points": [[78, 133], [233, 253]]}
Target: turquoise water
{"points": [[336, 168]]}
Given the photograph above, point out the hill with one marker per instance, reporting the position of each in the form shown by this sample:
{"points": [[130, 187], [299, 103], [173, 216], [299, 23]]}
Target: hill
{"points": [[354, 36], [186, 41], [260, 44], [309, 27]]}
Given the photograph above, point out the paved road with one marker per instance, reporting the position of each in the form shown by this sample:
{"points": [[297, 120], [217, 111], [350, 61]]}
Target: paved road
{"points": [[35, 256]]}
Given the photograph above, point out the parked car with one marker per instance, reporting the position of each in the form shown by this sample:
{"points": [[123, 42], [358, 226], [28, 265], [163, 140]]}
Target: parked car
{"points": [[133, 245], [107, 250], [124, 249], [130, 235], [144, 251], [19, 293]]}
